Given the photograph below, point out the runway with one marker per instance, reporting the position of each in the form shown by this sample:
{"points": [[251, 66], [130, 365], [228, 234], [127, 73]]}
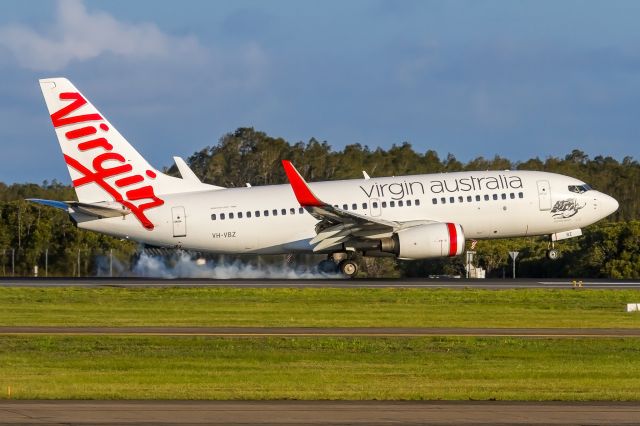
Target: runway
{"points": [[492, 284], [315, 413], [323, 332]]}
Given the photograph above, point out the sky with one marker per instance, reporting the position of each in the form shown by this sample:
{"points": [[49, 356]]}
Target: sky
{"points": [[520, 79]]}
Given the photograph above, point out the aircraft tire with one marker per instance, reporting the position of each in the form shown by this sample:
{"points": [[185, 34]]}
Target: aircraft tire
{"points": [[348, 268], [553, 254]]}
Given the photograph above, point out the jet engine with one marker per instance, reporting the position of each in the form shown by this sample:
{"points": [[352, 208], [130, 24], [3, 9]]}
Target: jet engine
{"points": [[426, 241]]}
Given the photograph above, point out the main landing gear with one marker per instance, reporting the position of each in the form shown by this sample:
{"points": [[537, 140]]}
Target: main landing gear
{"points": [[552, 253], [339, 263], [348, 267]]}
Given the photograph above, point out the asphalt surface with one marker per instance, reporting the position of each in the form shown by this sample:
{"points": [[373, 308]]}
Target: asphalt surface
{"points": [[320, 283], [320, 331], [315, 413]]}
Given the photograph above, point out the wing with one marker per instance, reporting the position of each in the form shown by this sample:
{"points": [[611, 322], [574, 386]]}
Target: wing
{"points": [[338, 226]]}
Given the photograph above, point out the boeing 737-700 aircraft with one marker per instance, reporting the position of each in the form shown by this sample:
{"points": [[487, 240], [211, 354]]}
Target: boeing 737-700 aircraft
{"points": [[410, 217]]}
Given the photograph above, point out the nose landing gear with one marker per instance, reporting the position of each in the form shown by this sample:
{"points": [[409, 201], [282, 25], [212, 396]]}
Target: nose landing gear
{"points": [[552, 253]]}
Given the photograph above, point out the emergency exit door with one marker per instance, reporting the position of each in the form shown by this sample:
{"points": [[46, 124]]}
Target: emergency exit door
{"points": [[544, 195], [179, 222]]}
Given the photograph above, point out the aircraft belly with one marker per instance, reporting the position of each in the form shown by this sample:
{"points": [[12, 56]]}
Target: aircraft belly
{"points": [[491, 222]]}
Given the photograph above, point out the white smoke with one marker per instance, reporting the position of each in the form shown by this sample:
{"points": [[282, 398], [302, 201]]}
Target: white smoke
{"points": [[109, 265], [186, 265]]}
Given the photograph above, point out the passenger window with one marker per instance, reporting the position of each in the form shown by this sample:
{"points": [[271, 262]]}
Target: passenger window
{"points": [[486, 197], [292, 210], [477, 198], [375, 205], [301, 210], [417, 202], [354, 206], [266, 213], [495, 196], [213, 216], [230, 215], [452, 199], [275, 212], [504, 196], [384, 204], [249, 215], [364, 206], [345, 207], [512, 195], [443, 200], [221, 216], [257, 213], [392, 203], [434, 201], [408, 203], [400, 203], [469, 199], [520, 195], [460, 199], [283, 212], [239, 215]]}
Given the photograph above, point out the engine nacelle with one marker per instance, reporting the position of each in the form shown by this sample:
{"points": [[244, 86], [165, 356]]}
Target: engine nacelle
{"points": [[428, 241]]}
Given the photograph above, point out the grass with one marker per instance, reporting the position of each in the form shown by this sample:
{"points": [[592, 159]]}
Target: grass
{"points": [[317, 307], [397, 368], [87, 367]]}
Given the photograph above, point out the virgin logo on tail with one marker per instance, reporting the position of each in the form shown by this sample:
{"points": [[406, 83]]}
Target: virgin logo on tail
{"points": [[98, 172]]}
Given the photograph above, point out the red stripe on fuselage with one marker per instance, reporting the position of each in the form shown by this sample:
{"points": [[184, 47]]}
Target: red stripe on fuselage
{"points": [[453, 239]]}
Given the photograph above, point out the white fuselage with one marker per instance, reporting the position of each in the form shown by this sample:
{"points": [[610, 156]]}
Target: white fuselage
{"points": [[490, 204]]}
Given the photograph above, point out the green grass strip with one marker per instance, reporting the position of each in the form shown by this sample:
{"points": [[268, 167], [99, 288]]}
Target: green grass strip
{"points": [[88, 367], [318, 307]]}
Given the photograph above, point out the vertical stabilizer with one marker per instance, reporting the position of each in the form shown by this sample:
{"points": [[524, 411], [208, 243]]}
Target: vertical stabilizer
{"points": [[102, 164]]}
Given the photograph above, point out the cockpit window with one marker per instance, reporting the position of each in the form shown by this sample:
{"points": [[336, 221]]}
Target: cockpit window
{"points": [[579, 189]]}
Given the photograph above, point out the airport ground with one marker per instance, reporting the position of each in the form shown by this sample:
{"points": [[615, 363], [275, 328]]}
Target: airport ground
{"points": [[395, 283], [493, 413], [528, 341]]}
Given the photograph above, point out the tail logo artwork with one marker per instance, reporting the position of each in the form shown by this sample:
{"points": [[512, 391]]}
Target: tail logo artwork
{"points": [[98, 171]]}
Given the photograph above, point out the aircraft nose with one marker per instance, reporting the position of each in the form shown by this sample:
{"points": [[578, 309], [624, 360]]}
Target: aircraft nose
{"points": [[608, 204]]}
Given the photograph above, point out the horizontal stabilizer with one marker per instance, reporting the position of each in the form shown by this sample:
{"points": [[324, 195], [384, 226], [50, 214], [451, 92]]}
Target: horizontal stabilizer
{"points": [[51, 203], [95, 210]]}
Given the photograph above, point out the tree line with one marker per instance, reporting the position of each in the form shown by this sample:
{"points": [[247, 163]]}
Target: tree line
{"points": [[608, 249]]}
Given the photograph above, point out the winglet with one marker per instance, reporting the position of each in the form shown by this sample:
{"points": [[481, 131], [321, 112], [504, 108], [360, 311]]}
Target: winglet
{"points": [[301, 189]]}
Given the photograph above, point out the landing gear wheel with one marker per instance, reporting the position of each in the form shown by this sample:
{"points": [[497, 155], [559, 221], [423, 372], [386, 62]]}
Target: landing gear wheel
{"points": [[348, 268], [328, 266], [553, 254]]}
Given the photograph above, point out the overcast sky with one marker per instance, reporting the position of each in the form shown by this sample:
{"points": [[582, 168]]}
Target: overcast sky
{"points": [[475, 78]]}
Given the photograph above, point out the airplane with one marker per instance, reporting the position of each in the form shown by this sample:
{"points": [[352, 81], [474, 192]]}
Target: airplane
{"points": [[408, 217]]}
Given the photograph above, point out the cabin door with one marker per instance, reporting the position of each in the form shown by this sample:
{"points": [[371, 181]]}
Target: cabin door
{"points": [[179, 221], [544, 195]]}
